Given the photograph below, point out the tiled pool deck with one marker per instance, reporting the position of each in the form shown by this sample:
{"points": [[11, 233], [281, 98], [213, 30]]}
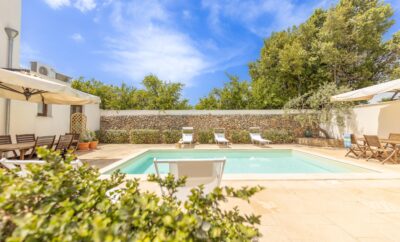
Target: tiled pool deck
{"points": [[304, 210]]}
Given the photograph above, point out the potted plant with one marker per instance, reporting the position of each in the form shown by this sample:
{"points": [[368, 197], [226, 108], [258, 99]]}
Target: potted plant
{"points": [[84, 141], [94, 140]]}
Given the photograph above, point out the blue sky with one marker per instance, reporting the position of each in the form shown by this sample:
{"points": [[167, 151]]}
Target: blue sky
{"points": [[193, 42]]}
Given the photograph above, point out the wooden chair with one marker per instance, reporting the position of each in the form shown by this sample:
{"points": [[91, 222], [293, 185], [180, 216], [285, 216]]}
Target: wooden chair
{"points": [[75, 140], [64, 142], [6, 140], [378, 151], [393, 136], [25, 138], [356, 148], [43, 141]]}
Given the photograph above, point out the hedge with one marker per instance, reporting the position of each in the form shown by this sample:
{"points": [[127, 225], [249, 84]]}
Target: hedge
{"points": [[205, 136], [279, 136], [151, 136], [145, 136], [240, 137], [113, 136], [171, 136]]}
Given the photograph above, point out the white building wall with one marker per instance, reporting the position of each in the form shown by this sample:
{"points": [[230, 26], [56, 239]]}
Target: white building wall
{"points": [[92, 113], [23, 117], [10, 16], [374, 119]]}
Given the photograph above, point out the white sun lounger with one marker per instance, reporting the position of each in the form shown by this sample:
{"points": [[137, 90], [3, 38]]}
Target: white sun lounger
{"points": [[187, 135], [219, 137], [255, 136], [207, 172], [14, 164]]}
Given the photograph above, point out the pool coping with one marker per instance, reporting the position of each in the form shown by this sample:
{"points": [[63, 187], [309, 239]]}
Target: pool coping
{"points": [[382, 173]]}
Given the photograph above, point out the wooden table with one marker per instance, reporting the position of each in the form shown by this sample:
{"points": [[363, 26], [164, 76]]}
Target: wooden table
{"points": [[21, 147], [396, 148], [394, 143]]}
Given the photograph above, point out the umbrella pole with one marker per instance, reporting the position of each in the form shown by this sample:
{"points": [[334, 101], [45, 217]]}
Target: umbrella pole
{"points": [[8, 112]]}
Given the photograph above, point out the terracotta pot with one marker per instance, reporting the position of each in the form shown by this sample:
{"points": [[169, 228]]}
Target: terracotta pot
{"points": [[83, 146], [93, 144]]}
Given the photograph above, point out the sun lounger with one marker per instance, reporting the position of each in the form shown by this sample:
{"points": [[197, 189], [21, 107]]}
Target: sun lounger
{"points": [[207, 172], [187, 135], [255, 136], [219, 137]]}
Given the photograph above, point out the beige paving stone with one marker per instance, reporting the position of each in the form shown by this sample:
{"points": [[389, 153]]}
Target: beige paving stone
{"points": [[303, 210]]}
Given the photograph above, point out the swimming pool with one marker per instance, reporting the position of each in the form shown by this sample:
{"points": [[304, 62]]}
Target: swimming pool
{"points": [[279, 161]]}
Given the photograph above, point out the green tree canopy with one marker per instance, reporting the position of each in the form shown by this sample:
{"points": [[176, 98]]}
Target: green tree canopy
{"points": [[234, 95], [156, 94], [343, 45]]}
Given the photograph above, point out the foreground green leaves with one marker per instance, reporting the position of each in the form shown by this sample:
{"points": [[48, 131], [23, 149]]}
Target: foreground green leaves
{"points": [[58, 203]]}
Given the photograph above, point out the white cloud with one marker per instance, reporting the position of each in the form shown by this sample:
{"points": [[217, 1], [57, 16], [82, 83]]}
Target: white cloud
{"points": [[85, 5], [77, 37], [148, 42], [81, 5], [56, 4]]}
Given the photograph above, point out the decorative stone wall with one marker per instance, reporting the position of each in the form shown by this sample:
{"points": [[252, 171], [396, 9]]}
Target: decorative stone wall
{"points": [[198, 119]]}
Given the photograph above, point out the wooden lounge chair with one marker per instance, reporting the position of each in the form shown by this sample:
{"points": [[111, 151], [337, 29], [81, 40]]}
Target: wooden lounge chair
{"points": [[64, 143], [75, 140], [359, 150], [207, 172], [378, 151], [219, 137], [43, 141], [255, 136], [6, 140]]}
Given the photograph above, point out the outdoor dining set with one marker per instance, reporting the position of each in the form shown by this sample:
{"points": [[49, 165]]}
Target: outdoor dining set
{"points": [[373, 147], [26, 144]]}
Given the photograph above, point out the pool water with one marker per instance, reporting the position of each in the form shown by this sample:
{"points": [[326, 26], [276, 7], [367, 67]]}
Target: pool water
{"points": [[244, 162]]}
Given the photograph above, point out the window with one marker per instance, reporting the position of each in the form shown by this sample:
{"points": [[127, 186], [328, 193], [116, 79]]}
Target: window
{"points": [[76, 109], [44, 110]]}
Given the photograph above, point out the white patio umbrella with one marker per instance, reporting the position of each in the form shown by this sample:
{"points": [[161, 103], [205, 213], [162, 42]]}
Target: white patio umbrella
{"points": [[368, 93], [20, 86]]}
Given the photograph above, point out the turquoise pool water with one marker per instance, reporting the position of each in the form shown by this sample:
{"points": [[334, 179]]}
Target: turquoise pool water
{"points": [[244, 162]]}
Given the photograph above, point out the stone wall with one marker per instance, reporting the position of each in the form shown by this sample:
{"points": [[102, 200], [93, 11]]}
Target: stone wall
{"points": [[198, 119]]}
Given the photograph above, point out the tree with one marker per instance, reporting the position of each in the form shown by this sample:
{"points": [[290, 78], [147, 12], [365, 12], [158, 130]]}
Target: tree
{"points": [[343, 44], [234, 95], [55, 202], [315, 109], [163, 95], [156, 95]]}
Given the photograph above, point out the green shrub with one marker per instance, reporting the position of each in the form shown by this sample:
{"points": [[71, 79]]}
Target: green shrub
{"points": [[240, 137], [114, 136], [145, 136], [171, 136], [205, 137], [56, 202], [280, 136]]}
